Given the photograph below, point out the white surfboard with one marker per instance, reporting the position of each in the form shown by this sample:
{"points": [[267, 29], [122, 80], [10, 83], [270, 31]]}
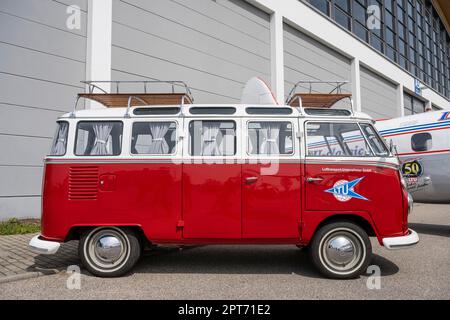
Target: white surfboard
{"points": [[256, 91]]}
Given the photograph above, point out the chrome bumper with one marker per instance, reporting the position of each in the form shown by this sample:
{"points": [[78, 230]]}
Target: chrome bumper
{"points": [[410, 204], [40, 246], [401, 242]]}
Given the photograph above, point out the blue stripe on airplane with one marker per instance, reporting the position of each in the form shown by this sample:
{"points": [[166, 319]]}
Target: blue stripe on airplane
{"points": [[416, 127]]}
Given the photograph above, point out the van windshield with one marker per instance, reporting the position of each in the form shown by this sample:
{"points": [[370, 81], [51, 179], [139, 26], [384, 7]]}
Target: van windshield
{"points": [[374, 139], [326, 139]]}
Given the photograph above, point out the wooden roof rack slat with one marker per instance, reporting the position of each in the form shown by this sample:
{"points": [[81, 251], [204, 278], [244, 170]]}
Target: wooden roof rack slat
{"points": [[120, 100], [317, 100]]}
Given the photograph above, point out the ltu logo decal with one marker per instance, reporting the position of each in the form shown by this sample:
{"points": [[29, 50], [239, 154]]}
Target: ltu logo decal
{"points": [[343, 190], [445, 116]]}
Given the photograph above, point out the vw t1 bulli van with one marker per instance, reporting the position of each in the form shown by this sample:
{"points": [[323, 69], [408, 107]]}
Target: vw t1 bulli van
{"points": [[157, 169]]}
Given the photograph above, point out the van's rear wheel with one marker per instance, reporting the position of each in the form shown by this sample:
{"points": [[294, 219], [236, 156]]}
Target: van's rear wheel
{"points": [[341, 250], [109, 251]]}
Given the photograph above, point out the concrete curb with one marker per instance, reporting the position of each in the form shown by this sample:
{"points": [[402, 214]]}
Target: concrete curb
{"points": [[28, 275]]}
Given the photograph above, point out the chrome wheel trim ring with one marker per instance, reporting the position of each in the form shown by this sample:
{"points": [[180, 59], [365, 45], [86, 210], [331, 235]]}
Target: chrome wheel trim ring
{"points": [[98, 262], [357, 243]]}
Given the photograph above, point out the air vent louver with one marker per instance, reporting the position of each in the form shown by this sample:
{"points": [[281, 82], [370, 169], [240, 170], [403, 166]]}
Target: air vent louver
{"points": [[83, 183]]}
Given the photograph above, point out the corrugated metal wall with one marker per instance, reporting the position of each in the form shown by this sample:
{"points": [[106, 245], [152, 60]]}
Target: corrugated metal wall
{"points": [[307, 59], [215, 46], [378, 96], [41, 64]]}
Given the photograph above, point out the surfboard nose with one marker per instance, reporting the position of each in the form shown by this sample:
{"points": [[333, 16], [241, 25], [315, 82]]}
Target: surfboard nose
{"points": [[256, 91]]}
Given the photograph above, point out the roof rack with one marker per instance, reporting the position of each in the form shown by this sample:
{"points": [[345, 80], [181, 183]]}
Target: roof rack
{"points": [[118, 99], [312, 99]]}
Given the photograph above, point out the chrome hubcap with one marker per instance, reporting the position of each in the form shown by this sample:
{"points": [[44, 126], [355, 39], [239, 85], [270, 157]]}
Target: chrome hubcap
{"points": [[340, 250], [108, 248]]}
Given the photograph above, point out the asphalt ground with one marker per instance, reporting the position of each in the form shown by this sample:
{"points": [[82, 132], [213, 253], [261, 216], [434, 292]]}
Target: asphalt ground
{"points": [[264, 272]]}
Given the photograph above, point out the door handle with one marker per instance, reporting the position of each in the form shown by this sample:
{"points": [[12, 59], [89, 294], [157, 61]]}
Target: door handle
{"points": [[316, 179], [251, 180]]}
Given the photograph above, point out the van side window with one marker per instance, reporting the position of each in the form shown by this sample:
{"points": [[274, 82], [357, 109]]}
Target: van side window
{"points": [[421, 141], [270, 138], [212, 138], [153, 138], [60, 140], [99, 138], [326, 139], [377, 145]]}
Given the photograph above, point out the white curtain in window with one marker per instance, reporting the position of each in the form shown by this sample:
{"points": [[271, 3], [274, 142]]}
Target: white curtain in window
{"points": [[102, 132], [59, 145], [252, 141], [173, 137], [226, 143], [210, 139], [158, 145], [270, 136]]}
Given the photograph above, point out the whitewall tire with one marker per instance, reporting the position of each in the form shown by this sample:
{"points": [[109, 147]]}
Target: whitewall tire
{"points": [[341, 250], [109, 251]]}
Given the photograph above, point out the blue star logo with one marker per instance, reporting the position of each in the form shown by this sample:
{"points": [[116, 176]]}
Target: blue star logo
{"points": [[344, 190]]}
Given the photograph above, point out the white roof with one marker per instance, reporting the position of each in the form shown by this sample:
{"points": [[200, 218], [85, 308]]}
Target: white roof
{"points": [[240, 112]]}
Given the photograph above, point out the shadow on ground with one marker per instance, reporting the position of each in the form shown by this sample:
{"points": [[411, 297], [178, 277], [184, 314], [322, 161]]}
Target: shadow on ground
{"points": [[219, 259], [240, 260], [431, 229], [67, 255]]}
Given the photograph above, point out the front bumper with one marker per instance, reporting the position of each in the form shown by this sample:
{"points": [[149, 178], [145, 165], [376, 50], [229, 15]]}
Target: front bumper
{"points": [[37, 245], [401, 242], [410, 203]]}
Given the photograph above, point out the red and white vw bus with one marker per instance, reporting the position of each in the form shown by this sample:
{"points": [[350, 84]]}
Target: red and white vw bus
{"points": [[157, 169]]}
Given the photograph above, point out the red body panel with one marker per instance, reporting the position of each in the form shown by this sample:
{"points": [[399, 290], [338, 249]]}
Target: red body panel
{"points": [[379, 185], [146, 195], [212, 201], [312, 219], [271, 205], [215, 203]]}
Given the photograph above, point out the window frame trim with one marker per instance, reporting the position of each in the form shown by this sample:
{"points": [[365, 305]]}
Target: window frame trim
{"points": [[344, 156], [382, 141], [187, 133], [177, 139], [67, 140], [246, 136], [213, 108], [421, 133], [97, 121]]}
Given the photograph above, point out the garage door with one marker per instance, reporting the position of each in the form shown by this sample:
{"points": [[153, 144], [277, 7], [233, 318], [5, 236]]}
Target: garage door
{"points": [[307, 59], [378, 96], [215, 46], [41, 66]]}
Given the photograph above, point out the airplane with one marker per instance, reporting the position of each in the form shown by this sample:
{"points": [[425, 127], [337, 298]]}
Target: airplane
{"points": [[422, 143]]}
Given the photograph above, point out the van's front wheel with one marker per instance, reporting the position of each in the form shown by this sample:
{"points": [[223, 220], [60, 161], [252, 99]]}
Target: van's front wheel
{"points": [[341, 250], [109, 251]]}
